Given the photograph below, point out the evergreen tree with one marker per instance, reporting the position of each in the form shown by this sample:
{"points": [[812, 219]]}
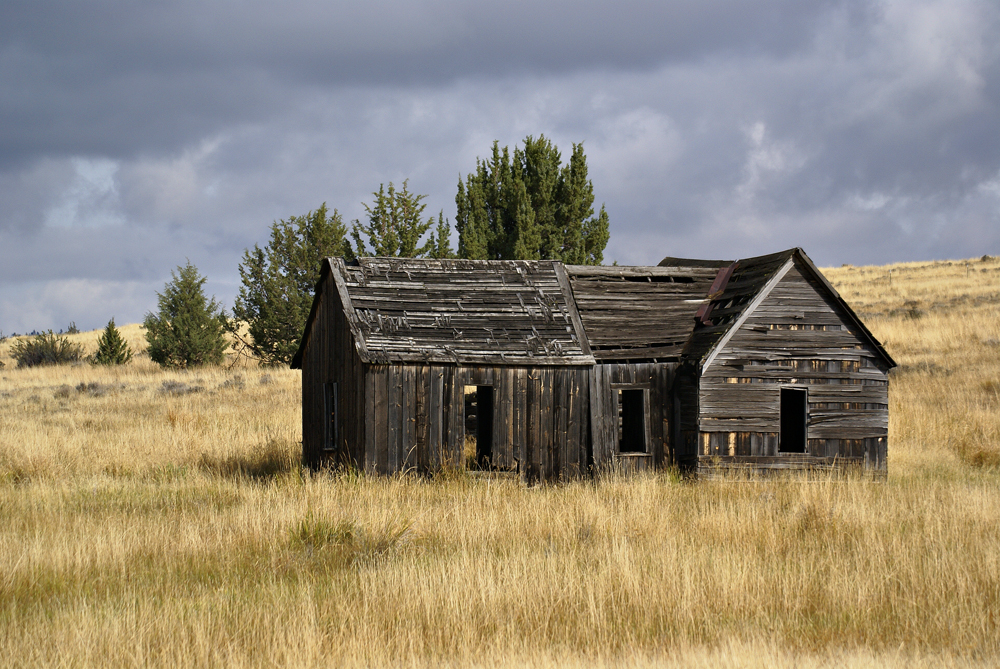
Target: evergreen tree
{"points": [[112, 349], [395, 226], [188, 330], [440, 242], [528, 205], [278, 282]]}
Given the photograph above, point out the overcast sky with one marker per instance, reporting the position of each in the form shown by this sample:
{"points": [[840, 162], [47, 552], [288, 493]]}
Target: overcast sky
{"points": [[135, 135]]}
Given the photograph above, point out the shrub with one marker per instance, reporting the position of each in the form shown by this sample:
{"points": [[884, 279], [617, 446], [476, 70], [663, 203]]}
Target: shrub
{"points": [[188, 330], [111, 347], [179, 388], [45, 349], [72, 329]]}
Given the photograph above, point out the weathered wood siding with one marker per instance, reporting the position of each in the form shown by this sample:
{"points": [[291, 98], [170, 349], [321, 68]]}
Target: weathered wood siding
{"points": [[414, 418], [685, 406], [658, 380], [795, 337], [330, 357]]}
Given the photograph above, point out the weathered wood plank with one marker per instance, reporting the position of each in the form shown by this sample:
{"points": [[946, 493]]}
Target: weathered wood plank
{"points": [[393, 419], [437, 420], [408, 417]]}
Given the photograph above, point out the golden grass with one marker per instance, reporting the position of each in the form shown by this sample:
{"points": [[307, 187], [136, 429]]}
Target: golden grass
{"points": [[146, 525]]}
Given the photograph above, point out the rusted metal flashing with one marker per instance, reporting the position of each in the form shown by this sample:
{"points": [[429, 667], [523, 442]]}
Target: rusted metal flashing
{"points": [[764, 292], [704, 313]]}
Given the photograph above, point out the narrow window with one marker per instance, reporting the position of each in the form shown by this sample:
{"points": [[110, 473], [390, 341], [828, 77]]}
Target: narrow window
{"points": [[631, 420], [330, 435], [478, 426], [794, 418]]}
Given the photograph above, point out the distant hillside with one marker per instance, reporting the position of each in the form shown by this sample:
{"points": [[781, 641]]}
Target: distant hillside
{"points": [[881, 294], [912, 289]]}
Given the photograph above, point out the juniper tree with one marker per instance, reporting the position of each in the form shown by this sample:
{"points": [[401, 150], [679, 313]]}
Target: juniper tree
{"points": [[189, 329], [278, 282], [440, 242], [529, 205], [112, 349], [395, 225]]}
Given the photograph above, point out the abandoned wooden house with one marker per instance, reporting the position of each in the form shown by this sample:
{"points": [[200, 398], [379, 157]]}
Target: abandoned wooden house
{"points": [[392, 346], [757, 363]]}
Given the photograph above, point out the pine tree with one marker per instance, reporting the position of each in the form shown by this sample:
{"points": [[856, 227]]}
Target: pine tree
{"points": [[112, 349], [528, 205], [278, 282], [188, 330]]}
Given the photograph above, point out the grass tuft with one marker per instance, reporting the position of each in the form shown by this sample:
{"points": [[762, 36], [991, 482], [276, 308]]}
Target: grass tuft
{"points": [[268, 460], [346, 543]]}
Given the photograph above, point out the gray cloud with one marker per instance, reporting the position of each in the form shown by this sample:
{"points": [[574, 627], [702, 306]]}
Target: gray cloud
{"points": [[119, 78], [141, 135]]}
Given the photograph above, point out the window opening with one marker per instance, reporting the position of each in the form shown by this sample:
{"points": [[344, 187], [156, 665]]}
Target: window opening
{"points": [[631, 420], [794, 419], [478, 450], [330, 436]]}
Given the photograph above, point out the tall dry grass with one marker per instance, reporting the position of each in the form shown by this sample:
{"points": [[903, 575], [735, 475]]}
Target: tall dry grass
{"points": [[941, 321], [159, 518]]}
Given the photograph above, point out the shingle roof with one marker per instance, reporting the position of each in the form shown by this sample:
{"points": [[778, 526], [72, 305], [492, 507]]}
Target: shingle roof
{"points": [[742, 284], [469, 311], [545, 313], [633, 313]]}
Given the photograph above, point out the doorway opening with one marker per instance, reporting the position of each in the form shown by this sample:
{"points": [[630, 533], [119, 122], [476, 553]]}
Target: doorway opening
{"points": [[478, 450], [794, 419]]}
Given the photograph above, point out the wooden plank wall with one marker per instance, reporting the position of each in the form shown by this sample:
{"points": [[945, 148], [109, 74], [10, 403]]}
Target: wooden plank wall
{"points": [[685, 395], [330, 356], [796, 337], [415, 418], [659, 378]]}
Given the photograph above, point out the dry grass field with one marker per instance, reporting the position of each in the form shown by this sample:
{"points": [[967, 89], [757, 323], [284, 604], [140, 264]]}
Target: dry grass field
{"points": [[160, 518]]}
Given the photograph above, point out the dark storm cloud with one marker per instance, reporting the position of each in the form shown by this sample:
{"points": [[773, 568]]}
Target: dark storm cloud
{"points": [[119, 78], [134, 136]]}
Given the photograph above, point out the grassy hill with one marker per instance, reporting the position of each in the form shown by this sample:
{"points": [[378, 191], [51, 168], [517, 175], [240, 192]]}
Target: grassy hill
{"points": [[159, 518]]}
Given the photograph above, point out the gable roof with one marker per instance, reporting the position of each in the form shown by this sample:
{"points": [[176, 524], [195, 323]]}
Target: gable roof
{"points": [[739, 283], [448, 311], [749, 281], [544, 313]]}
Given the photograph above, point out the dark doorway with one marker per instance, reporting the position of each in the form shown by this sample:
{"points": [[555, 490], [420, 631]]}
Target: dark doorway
{"points": [[631, 421], [794, 415], [479, 427]]}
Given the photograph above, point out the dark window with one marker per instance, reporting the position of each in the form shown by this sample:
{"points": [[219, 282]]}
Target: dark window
{"points": [[794, 418], [631, 420], [479, 427], [330, 436]]}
